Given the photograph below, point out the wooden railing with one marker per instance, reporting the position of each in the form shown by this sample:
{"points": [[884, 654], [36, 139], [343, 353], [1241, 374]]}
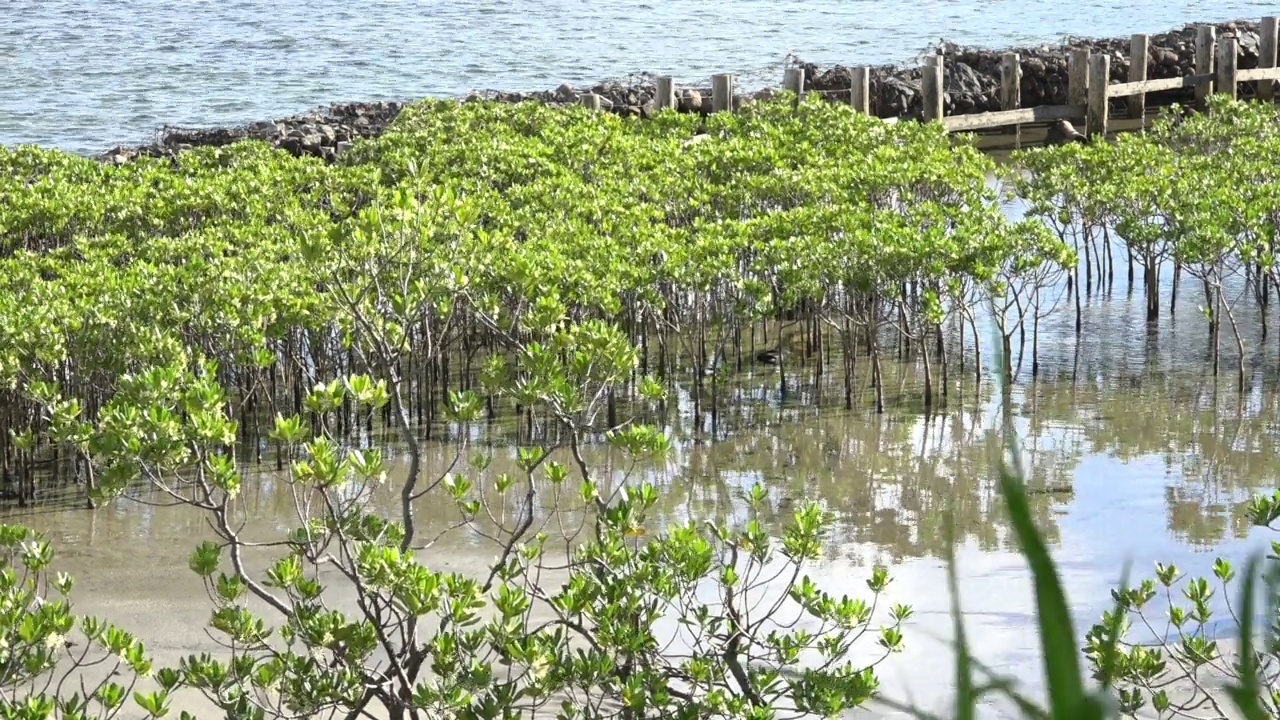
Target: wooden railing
{"points": [[1089, 89]]}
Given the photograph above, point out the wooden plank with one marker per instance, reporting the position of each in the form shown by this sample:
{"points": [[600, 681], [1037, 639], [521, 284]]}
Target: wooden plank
{"points": [[1138, 57], [1096, 115], [1078, 77], [1038, 114], [931, 88], [1227, 80], [1149, 86], [666, 97], [860, 96], [1205, 46], [1270, 73], [722, 92], [1268, 41]]}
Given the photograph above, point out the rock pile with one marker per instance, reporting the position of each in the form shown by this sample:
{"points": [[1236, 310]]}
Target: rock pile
{"points": [[324, 133], [626, 99], [971, 78]]}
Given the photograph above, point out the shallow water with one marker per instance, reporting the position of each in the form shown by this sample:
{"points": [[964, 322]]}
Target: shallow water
{"points": [[1136, 452], [1144, 456], [88, 75]]}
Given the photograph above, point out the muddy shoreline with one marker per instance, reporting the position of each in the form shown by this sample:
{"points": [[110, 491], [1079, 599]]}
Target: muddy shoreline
{"points": [[972, 79]]}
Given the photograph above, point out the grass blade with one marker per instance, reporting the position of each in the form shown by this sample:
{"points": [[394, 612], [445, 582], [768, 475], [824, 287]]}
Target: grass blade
{"points": [[1246, 694], [1067, 697], [966, 696]]}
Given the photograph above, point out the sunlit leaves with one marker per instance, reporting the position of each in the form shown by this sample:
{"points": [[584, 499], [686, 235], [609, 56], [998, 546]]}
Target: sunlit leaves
{"points": [[537, 241]]}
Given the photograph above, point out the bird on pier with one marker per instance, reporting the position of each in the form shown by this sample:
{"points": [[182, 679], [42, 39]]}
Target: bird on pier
{"points": [[1063, 132]]}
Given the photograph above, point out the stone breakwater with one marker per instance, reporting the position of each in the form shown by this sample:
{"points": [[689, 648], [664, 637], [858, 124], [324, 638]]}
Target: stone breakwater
{"points": [[972, 84]]}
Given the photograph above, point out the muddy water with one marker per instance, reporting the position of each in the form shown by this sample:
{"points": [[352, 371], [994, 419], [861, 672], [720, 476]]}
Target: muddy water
{"points": [[1142, 463]]}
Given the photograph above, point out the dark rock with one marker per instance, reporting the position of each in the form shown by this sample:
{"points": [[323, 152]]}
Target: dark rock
{"points": [[265, 130], [691, 101], [964, 88], [1249, 44]]}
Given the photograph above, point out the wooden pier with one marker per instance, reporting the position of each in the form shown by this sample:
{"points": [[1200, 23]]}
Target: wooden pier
{"points": [[1089, 90]]}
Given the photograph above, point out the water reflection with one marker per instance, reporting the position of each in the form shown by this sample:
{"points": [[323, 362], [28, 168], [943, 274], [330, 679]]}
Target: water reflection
{"points": [[1134, 452]]}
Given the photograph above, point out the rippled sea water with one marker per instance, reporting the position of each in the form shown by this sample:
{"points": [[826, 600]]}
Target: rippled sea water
{"points": [[89, 74]]}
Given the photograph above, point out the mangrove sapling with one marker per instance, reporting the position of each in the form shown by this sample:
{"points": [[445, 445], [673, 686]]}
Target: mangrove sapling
{"points": [[392, 268], [1183, 667], [1050, 181], [1015, 292], [1137, 206], [1180, 670], [600, 643], [57, 664], [233, 251], [1211, 245]]}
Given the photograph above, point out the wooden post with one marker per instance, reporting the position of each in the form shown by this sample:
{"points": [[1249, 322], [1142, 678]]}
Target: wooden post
{"points": [[591, 101], [931, 88], [1099, 77], [1010, 81], [1269, 32], [860, 93], [793, 80], [1011, 89], [1138, 57], [1205, 35], [1078, 77], [722, 92], [666, 97], [1226, 81]]}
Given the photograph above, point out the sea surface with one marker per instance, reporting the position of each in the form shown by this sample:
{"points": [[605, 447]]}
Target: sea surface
{"points": [[86, 75]]}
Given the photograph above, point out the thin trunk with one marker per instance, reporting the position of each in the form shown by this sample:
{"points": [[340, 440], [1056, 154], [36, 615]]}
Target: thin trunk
{"points": [[1153, 289], [928, 372]]}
